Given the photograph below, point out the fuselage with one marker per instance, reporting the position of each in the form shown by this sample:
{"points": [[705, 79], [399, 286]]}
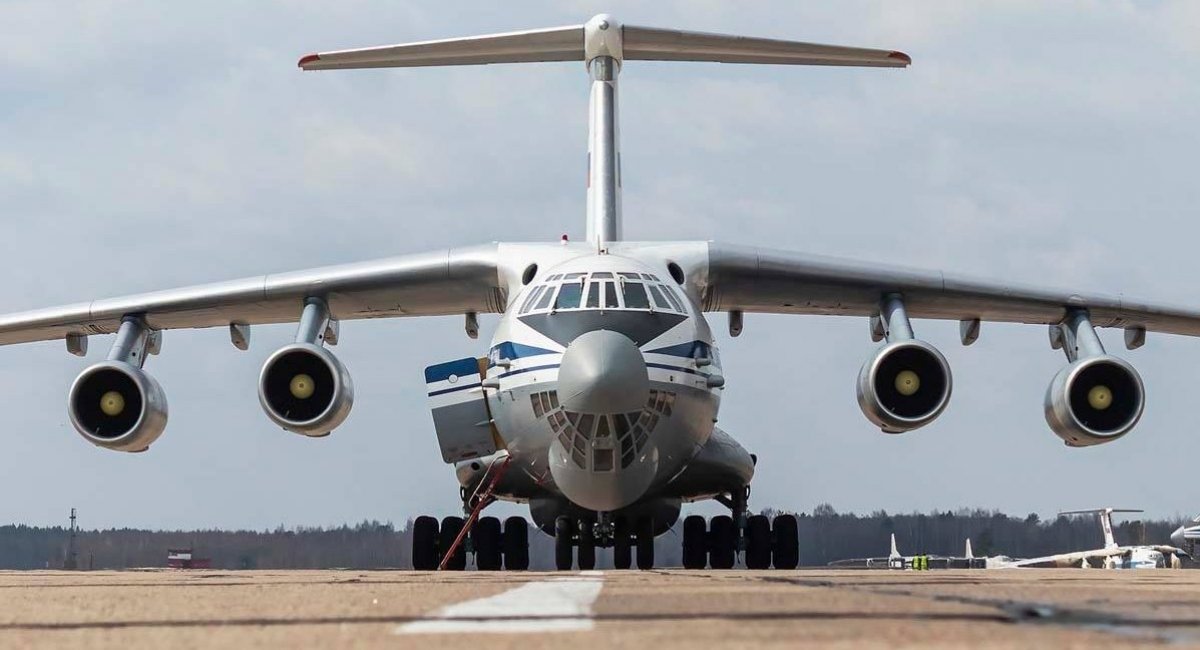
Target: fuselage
{"points": [[605, 382]]}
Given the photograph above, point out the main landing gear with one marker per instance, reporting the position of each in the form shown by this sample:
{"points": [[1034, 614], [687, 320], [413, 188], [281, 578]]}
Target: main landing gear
{"points": [[493, 546], [764, 542], [580, 537]]}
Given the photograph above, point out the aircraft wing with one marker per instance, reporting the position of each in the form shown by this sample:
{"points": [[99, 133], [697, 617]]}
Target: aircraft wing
{"points": [[451, 281], [763, 280], [1069, 560]]}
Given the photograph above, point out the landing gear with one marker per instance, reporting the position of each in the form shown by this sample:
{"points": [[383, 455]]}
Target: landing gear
{"points": [[645, 543], [695, 542], [494, 548], [451, 527], [622, 544], [586, 551], [486, 538], [763, 542], [516, 544], [563, 543], [722, 542], [758, 543], [425, 544], [786, 548]]}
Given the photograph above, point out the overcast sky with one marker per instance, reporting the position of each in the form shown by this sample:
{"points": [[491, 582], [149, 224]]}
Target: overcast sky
{"points": [[146, 145]]}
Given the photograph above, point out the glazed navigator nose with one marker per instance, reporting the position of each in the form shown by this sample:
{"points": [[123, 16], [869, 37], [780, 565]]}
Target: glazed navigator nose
{"points": [[603, 372]]}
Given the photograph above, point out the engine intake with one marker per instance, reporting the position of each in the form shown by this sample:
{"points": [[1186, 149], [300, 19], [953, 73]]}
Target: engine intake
{"points": [[1094, 400], [117, 406], [905, 385], [305, 389]]}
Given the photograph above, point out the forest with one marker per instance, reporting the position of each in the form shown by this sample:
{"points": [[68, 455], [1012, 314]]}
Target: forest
{"points": [[825, 535]]}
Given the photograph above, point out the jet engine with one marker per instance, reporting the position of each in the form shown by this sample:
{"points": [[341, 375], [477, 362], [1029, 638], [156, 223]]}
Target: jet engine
{"points": [[305, 389], [1094, 400], [905, 385], [117, 406]]}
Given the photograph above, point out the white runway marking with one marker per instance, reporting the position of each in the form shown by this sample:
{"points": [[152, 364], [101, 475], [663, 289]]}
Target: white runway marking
{"points": [[552, 605]]}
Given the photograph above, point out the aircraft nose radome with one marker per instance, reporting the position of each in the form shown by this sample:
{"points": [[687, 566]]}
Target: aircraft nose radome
{"points": [[1177, 537], [603, 372]]}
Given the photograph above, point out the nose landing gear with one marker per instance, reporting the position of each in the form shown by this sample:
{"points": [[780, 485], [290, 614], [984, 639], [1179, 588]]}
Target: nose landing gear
{"points": [[579, 538]]}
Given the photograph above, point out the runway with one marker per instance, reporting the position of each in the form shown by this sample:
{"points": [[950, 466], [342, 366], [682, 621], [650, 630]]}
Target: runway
{"points": [[659, 609]]}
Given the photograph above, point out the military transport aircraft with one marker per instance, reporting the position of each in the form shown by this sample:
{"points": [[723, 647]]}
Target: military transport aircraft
{"points": [[1112, 556], [599, 393]]}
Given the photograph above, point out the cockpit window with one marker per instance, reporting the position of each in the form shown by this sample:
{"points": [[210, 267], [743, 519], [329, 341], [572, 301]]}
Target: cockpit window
{"points": [[635, 296], [569, 296], [530, 300], [603, 290], [659, 301], [674, 300], [610, 295]]}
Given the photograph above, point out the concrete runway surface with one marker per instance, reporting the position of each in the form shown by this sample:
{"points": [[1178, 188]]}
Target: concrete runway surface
{"points": [[658, 609]]}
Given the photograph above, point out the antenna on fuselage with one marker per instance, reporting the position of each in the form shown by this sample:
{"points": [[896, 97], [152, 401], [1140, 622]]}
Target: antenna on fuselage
{"points": [[603, 44]]}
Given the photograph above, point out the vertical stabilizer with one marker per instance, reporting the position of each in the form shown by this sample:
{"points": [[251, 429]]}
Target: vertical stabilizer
{"points": [[604, 45], [967, 553], [1105, 521], [895, 553]]}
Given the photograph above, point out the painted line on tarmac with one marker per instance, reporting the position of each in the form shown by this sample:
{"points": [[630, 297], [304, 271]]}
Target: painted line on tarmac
{"points": [[552, 605]]}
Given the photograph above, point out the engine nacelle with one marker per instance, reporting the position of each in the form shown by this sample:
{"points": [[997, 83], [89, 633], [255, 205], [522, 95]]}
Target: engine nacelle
{"points": [[905, 385], [1094, 400], [117, 406], [305, 389]]}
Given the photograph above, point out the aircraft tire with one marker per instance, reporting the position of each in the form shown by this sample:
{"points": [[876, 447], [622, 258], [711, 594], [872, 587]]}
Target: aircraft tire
{"points": [[645, 543], [486, 535], [622, 545], [585, 552], [516, 544], [758, 543], [695, 546], [425, 544], [450, 528], [786, 542], [722, 542], [563, 543]]}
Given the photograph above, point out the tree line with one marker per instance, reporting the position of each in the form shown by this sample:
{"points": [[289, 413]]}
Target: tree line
{"points": [[825, 535]]}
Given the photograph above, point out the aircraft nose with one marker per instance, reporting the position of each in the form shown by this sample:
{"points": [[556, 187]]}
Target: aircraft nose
{"points": [[603, 372], [1177, 537]]}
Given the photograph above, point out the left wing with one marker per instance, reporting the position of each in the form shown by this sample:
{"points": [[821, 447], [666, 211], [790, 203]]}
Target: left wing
{"points": [[450, 281], [763, 280]]}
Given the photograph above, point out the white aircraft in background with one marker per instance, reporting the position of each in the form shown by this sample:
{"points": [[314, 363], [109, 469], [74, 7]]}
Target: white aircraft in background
{"points": [[1112, 556], [895, 560], [1185, 537], [597, 401]]}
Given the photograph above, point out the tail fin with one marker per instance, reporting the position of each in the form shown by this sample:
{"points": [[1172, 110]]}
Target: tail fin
{"points": [[603, 44], [895, 553], [968, 554], [1105, 521]]}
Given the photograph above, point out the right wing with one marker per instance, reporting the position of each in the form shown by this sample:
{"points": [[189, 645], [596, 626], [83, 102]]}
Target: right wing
{"points": [[451, 281]]}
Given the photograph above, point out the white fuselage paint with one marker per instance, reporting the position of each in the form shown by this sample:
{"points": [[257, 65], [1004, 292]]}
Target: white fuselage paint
{"points": [[551, 605]]}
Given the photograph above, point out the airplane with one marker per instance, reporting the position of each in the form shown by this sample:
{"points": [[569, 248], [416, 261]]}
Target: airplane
{"points": [[1111, 556], [895, 560], [597, 400], [1185, 537]]}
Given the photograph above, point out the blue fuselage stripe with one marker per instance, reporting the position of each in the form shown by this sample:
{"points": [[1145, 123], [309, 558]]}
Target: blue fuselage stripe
{"points": [[455, 389]]}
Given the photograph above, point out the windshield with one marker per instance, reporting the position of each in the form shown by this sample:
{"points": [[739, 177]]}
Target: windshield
{"points": [[601, 290]]}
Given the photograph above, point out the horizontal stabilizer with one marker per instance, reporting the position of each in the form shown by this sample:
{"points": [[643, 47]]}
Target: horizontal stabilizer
{"points": [[652, 44], [602, 36], [554, 44]]}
